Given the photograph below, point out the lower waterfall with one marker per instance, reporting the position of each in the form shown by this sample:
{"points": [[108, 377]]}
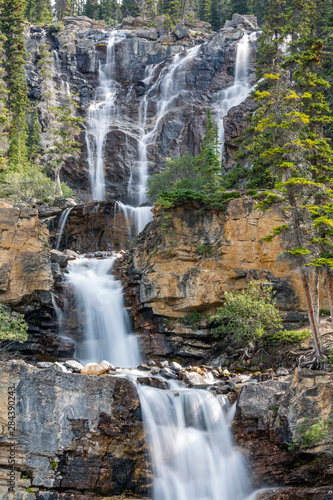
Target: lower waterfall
{"points": [[100, 309], [192, 453]]}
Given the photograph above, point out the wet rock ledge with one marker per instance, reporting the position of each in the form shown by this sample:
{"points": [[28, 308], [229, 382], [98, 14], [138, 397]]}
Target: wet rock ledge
{"points": [[76, 436]]}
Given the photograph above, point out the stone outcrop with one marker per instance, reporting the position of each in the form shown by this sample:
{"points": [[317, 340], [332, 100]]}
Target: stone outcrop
{"points": [[274, 413], [93, 227], [76, 436], [25, 265], [187, 259]]}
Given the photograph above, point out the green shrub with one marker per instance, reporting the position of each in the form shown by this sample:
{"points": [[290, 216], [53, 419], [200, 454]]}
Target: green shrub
{"points": [[249, 314], [288, 336], [67, 192], [12, 328], [192, 320], [28, 185], [310, 435]]}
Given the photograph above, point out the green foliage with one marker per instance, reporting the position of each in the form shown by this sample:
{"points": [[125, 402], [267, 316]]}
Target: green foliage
{"points": [[276, 230], [206, 250], [12, 328], [27, 185], [192, 320], [67, 192], [39, 11], [324, 312], [310, 435], [288, 336], [249, 314], [12, 27]]}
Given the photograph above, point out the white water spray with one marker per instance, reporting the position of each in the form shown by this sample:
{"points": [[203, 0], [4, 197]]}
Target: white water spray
{"points": [[100, 306], [62, 223], [191, 448], [101, 114], [241, 87]]}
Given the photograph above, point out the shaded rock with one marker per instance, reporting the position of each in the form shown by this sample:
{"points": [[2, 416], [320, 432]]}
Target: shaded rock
{"points": [[168, 373], [60, 258], [248, 22], [46, 211], [153, 382], [74, 413], [180, 31], [270, 414]]}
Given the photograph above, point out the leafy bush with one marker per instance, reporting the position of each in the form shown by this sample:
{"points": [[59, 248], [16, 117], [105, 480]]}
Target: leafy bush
{"points": [[180, 173], [288, 336], [310, 435], [249, 314], [28, 185], [12, 328], [192, 319]]}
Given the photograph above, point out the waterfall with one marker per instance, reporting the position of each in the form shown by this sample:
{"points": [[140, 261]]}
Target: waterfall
{"points": [[192, 453], [100, 308], [136, 216], [62, 224], [101, 114], [241, 87], [169, 84]]}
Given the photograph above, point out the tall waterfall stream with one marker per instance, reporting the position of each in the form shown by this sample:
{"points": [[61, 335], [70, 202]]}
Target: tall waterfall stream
{"points": [[192, 453]]}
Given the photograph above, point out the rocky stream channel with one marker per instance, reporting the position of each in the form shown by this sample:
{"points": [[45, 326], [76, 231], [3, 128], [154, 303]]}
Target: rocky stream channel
{"points": [[115, 395]]}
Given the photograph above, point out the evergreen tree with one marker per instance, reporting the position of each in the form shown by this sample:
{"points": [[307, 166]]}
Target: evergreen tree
{"points": [[205, 10], [286, 138], [208, 160], [63, 8], [39, 11], [34, 146], [4, 115], [12, 26], [130, 8]]}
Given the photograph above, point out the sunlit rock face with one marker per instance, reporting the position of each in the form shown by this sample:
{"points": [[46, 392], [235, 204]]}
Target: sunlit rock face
{"points": [[161, 87]]}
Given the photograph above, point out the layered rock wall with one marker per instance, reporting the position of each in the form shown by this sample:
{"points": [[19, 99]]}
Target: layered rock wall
{"points": [[75, 436], [187, 259]]}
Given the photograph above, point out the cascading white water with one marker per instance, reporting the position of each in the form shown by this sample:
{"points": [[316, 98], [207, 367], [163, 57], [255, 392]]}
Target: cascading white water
{"points": [[62, 223], [241, 87], [100, 305], [170, 83], [101, 114], [136, 216], [191, 447]]}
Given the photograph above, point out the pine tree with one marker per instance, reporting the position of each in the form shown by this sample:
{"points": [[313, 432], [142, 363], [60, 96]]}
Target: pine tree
{"points": [[63, 8], [4, 115], [205, 10], [208, 160], [34, 146], [39, 11], [286, 141], [130, 8], [12, 26]]}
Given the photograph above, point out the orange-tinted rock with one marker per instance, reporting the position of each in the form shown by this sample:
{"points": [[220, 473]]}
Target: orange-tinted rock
{"points": [[25, 267]]}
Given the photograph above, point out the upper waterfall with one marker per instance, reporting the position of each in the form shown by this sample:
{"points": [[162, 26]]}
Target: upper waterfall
{"points": [[101, 114], [241, 87]]}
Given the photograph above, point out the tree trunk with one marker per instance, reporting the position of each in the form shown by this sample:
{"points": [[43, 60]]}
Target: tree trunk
{"points": [[305, 276], [317, 301], [329, 281]]}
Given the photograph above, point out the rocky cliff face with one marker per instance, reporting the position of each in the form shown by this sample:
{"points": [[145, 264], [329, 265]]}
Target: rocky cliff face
{"points": [[76, 436], [187, 259], [141, 56], [271, 414], [25, 265]]}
